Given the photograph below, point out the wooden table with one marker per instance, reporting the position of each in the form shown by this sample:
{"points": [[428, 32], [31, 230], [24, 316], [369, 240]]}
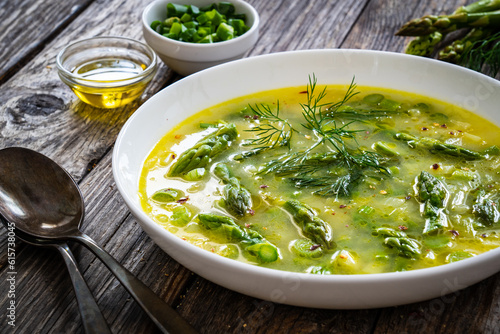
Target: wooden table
{"points": [[39, 112]]}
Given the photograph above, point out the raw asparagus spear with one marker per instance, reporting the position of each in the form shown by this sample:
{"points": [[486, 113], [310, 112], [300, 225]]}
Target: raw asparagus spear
{"points": [[433, 197], [438, 147], [398, 239], [480, 6], [201, 153], [238, 200], [452, 53], [486, 209], [424, 45], [447, 23], [312, 226], [250, 240]]}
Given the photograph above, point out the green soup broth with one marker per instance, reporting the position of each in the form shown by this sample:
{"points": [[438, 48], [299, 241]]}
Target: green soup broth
{"points": [[377, 216]]}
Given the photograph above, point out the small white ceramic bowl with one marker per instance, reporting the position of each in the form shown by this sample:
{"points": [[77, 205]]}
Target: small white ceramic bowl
{"points": [[449, 83], [187, 58]]}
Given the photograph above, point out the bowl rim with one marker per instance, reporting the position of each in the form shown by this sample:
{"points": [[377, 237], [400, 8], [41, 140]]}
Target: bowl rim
{"points": [[201, 46], [148, 71], [322, 280]]}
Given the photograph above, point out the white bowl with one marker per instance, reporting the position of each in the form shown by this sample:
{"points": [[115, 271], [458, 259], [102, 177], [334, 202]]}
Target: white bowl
{"points": [[175, 103], [187, 58]]}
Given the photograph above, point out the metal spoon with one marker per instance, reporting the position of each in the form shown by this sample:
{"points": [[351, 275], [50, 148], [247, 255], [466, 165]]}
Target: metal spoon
{"points": [[92, 318], [45, 202]]}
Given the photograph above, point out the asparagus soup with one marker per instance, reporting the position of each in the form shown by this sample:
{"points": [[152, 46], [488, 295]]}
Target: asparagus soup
{"points": [[329, 180]]}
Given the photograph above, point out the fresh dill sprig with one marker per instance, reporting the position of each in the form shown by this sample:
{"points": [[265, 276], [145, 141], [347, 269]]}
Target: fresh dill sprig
{"points": [[275, 132], [325, 126], [310, 167], [330, 186], [483, 55]]}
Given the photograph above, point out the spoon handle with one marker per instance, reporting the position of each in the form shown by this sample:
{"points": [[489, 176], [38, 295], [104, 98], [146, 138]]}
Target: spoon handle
{"points": [[92, 318], [163, 315]]}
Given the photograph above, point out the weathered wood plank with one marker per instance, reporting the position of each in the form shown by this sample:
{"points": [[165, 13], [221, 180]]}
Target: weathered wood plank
{"points": [[472, 310], [26, 25], [237, 313], [297, 25]]}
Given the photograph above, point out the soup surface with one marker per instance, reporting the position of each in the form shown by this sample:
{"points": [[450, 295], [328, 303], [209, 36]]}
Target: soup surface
{"points": [[329, 180]]}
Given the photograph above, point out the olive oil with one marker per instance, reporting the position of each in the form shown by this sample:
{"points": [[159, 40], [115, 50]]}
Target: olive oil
{"points": [[115, 82]]}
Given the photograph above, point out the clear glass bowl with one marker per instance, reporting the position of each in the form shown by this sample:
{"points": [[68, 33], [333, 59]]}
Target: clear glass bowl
{"points": [[107, 72]]}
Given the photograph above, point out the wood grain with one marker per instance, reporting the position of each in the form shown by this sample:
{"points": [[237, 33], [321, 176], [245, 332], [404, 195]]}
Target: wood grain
{"points": [[26, 25], [39, 112]]}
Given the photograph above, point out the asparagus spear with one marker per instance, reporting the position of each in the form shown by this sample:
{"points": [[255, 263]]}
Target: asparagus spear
{"points": [[202, 152], [250, 240], [433, 197], [312, 226], [438, 147], [486, 209], [480, 6], [237, 199], [424, 45], [446, 23], [398, 239], [452, 53]]}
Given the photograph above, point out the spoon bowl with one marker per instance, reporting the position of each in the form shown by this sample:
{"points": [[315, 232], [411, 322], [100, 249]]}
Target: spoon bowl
{"points": [[38, 195], [45, 202]]}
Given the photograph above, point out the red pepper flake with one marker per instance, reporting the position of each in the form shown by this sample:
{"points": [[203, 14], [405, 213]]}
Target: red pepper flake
{"points": [[263, 186], [343, 256], [342, 206], [444, 126], [251, 212], [255, 117], [183, 200], [247, 116], [173, 156], [247, 225], [455, 233], [435, 166], [424, 129], [333, 213], [313, 247], [212, 250], [402, 228], [303, 92], [178, 136]]}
